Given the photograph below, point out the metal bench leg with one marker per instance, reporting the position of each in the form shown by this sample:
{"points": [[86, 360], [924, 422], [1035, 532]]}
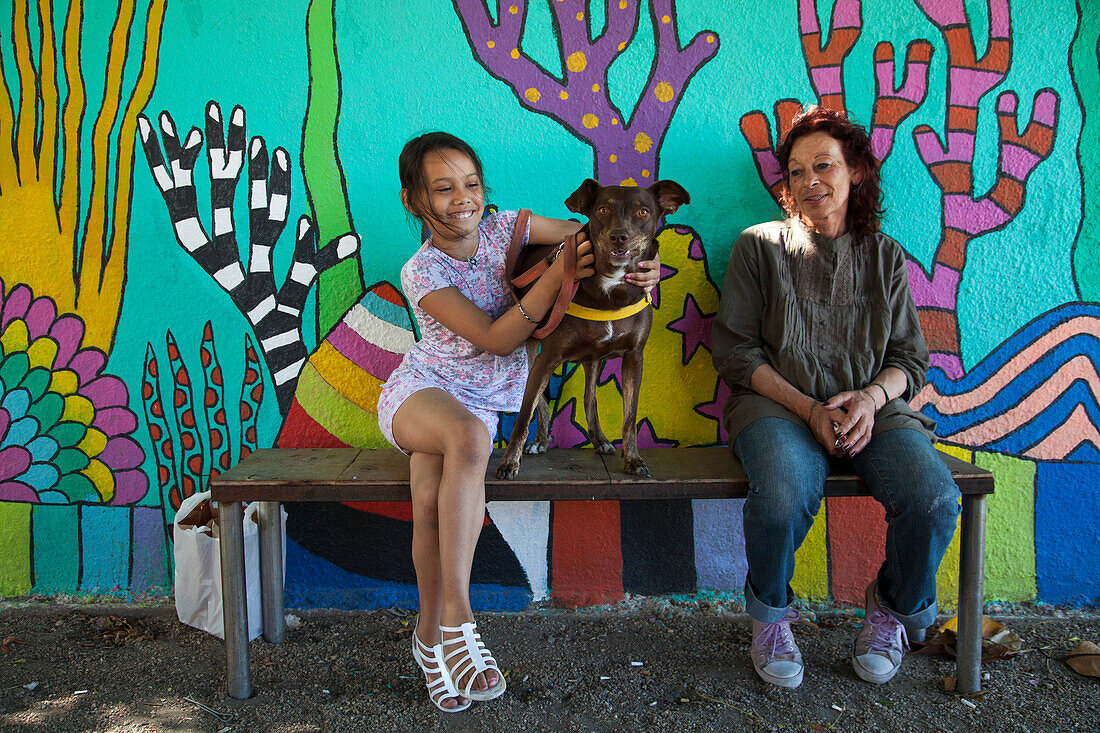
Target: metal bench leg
{"points": [[271, 571], [234, 600], [971, 594]]}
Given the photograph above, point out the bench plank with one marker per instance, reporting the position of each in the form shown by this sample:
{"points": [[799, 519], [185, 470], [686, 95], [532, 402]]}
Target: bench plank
{"points": [[563, 474]]}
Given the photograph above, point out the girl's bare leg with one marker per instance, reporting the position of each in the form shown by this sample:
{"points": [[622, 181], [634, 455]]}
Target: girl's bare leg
{"points": [[450, 452]]}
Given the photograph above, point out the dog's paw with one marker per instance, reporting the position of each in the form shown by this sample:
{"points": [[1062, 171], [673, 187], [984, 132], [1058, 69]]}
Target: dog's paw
{"points": [[604, 447], [508, 469], [635, 467], [535, 449]]}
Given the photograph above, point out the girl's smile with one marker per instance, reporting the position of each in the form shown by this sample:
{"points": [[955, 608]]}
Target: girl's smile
{"points": [[456, 201]]}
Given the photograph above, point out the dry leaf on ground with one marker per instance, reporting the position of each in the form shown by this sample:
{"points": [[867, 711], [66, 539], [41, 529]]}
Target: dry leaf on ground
{"points": [[998, 641], [8, 644], [1084, 659]]}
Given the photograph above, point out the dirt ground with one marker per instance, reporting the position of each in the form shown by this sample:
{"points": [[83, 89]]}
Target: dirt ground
{"points": [[642, 665]]}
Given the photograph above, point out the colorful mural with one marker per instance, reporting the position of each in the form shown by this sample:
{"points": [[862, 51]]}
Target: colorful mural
{"points": [[118, 289]]}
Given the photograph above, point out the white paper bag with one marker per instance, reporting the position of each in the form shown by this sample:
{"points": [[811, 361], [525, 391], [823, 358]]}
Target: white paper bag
{"points": [[198, 579]]}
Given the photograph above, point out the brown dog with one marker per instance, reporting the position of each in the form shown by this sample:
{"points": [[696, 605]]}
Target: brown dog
{"points": [[622, 226]]}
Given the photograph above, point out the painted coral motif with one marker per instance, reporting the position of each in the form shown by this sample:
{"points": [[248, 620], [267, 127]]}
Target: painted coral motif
{"points": [[190, 452], [626, 148], [79, 257], [65, 426]]}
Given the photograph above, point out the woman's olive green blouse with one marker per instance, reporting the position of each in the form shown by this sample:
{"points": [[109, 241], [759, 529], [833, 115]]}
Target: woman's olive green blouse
{"points": [[827, 314]]}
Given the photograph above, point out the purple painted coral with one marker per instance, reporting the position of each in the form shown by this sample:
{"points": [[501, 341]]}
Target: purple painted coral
{"points": [[64, 425]]}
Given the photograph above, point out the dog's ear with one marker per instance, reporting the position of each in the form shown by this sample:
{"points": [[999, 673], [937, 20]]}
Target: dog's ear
{"points": [[582, 198], [670, 196]]}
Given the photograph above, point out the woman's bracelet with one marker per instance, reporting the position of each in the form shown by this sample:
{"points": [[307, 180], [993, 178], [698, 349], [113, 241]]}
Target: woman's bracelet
{"points": [[810, 414], [885, 395], [524, 313]]}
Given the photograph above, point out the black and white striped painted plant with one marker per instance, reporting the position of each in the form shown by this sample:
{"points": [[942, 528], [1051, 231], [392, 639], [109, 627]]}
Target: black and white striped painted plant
{"points": [[275, 313]]}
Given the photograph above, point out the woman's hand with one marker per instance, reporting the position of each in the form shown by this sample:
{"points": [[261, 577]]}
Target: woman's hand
{"points": [[854, 428], [821, 420], [648, 276]]}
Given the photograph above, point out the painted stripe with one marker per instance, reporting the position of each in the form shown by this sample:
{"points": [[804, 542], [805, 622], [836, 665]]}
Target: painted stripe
{"points": [[258, 313], [303, 273], [105, 549], [1018, 514], [223, 221], [280, 202], [181, 175], [720, 562], [343, 419], [164, 181], [395, 313], [261, 258], [857, 546], [302, 431], [257, 194], [373, 329], [811, 567], [288, 373], [57, 549], [190, 234], [587, 553], [346, 246], [15, 548], [289, 311], [1032, 354], [149, 568], [230, 276], [286, 337], [346, 377], [367, 356]]}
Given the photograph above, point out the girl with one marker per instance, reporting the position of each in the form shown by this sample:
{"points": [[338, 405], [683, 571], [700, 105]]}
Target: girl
{"points": [[440, 405]]}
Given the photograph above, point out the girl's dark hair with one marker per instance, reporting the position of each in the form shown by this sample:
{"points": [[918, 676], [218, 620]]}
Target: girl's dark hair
{"points": [[410, 168], [865, 199]]}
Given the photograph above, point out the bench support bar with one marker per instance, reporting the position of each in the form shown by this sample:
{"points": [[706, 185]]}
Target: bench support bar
{"points": [[971, 593], [271, 571], [234, 599]]}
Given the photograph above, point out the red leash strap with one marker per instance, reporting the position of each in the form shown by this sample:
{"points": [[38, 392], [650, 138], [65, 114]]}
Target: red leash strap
{"points": [[568, 281], [568, 289]]}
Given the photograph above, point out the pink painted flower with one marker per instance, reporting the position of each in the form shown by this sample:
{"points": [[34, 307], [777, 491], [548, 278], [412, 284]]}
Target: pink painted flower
{"points": [[64, 425]]}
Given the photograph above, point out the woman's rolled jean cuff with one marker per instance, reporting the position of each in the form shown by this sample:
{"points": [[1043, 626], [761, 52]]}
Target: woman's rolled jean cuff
{"points": [[918, 621], [766, 614], [761, 611]]}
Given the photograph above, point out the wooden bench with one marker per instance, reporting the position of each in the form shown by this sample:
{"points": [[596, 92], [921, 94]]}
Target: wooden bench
{"points": [[349, 474]]}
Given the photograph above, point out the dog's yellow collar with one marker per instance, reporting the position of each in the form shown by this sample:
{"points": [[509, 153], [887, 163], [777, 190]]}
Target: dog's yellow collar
{"points": [[595, 314]]}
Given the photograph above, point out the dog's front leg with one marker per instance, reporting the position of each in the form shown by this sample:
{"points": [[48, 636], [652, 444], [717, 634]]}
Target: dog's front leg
{"points": [[600, 442], [632, 382], [542, 428], [537, 379]]}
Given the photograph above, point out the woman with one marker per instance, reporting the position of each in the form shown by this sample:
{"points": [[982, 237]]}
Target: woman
{"points": [[819, 341]]}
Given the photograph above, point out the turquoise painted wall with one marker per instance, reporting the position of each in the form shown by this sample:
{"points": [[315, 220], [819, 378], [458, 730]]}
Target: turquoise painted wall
{"points": [[340, 89]]}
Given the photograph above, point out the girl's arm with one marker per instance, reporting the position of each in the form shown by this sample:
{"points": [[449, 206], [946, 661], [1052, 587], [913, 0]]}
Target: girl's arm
{"points": [[502, 336], [551, 231]]}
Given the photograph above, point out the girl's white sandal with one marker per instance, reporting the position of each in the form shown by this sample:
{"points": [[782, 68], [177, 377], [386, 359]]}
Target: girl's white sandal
{"points": [[465, 656], [429, 659]]}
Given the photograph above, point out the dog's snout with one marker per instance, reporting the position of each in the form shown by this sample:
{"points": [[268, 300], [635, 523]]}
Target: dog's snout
{"points": [[618, 238]]}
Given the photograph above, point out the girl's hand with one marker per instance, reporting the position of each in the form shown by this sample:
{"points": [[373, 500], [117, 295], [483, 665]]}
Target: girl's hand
{"points": [[854, 428], [821, 420], [586, 260], [648, 276]]}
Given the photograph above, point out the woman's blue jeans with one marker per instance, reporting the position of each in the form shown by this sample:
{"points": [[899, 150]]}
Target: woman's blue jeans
{"points": [[786, 468]]}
